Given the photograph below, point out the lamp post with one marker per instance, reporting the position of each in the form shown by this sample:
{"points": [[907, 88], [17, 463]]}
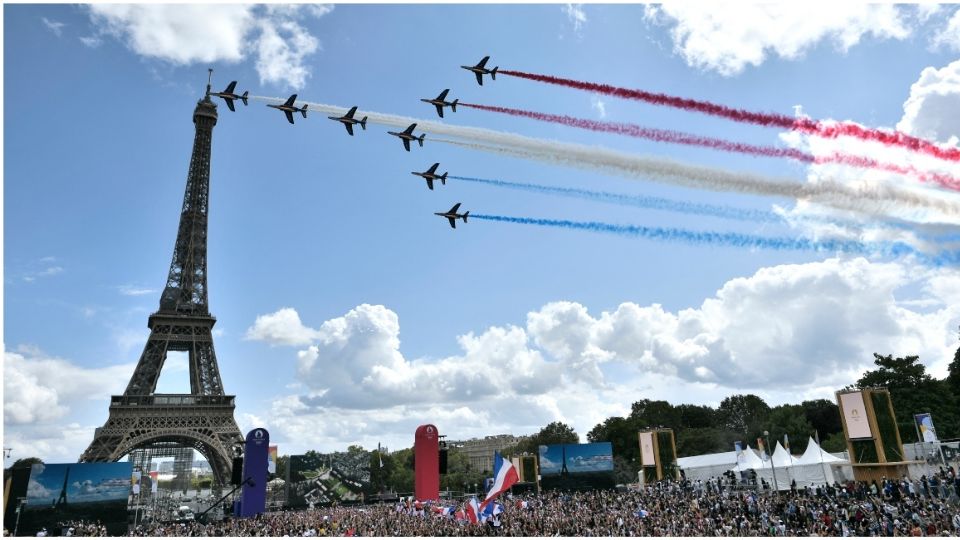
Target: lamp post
{"points": [[766, 438]]}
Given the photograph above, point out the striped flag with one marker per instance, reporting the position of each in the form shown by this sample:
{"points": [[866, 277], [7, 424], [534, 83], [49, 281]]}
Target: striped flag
{"points": [[473, 510], [505, 475]]}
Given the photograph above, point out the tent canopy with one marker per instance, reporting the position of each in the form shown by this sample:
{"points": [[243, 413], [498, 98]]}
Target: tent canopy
{"points": [[816, 455]]}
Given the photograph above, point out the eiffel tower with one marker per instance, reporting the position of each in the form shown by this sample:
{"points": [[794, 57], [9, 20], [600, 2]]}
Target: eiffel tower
{"points": [[202, 419]]}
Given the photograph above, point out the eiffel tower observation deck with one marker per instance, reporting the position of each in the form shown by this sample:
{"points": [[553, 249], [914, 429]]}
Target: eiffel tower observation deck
{"points": [[203, 419]]}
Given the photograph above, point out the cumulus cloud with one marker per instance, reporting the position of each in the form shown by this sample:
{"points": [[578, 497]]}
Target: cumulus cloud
{"points": [[599, 105], [726, 38], [787, 333], [932, 110], [188, 34], [40, 388], [283, 327], [133, 290]]}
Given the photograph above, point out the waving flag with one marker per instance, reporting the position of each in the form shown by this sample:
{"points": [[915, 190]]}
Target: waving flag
{"points": [[473, 510], [505, 475]]}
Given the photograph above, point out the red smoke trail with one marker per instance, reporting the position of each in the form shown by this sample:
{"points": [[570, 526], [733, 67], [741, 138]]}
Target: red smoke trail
{"points": [[668, 136], [822, 129]]}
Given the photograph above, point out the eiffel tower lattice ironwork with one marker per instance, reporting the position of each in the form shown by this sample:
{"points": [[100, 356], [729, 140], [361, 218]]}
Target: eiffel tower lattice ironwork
{"points": [[202, 419]]}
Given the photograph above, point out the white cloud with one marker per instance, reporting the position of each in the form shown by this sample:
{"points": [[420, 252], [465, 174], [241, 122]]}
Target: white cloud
{"points": [[132, 290], [787, 333], [189, 34], [91, 41], [55, 26], [932, 111], [599, 105], [726, 38], [949, 36], [39, 388], [281, 50], [577, 16], [282, 327]]}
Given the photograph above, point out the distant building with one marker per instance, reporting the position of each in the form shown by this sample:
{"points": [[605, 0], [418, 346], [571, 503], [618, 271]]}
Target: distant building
{"points": [[480, 451]]}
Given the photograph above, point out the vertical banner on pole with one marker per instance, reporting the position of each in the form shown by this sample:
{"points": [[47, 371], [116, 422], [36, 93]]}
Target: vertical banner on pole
{"points": [[426, 452], [254, 497], [272, 460]]}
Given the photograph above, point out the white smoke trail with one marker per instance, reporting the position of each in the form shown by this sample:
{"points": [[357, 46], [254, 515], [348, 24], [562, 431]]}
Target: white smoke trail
{"points": [[874, 200]]}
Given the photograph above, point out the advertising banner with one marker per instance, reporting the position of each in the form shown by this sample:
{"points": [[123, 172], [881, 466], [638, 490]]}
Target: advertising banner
{"points": [[155, 477], [924, 421], [855, 414], [253, 499], [647, 456], [272, 460], [316, 479], [426, 450]]}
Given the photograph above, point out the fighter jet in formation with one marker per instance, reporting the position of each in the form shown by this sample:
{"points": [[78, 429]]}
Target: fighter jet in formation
{"points": [[348, 120], [431, 174], [479, 70], [452, 215], [407, 135], [289, 108], [439, 102], [229, 96]]}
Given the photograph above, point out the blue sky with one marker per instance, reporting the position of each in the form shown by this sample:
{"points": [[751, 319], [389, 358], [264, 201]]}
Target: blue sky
{"points": [[349, 314]]}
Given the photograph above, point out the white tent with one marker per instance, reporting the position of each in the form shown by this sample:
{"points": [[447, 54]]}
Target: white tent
{"points": [[748, 460], [707, 466]]}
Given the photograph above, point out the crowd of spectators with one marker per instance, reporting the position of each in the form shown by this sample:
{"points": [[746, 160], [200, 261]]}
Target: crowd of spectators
{"points": [[925, 507]]}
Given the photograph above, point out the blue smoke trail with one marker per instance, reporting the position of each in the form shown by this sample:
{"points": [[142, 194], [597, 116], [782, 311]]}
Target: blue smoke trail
{"points": [[725, 212], [655, 203], [897, 249]]}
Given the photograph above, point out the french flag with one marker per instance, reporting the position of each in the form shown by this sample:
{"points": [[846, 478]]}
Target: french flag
{"points": [[504, 476], [473, 511]]}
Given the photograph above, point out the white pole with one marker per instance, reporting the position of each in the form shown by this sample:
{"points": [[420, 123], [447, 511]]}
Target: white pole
{"points": [[823, 469]]}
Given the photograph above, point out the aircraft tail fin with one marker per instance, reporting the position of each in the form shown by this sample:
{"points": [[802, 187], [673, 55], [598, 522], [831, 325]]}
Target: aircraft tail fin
{"points": [[243, 98], [443, 178], [493, 73], [453, 106], [465, 215], [363, 123], [420, 140], [303, 111]]}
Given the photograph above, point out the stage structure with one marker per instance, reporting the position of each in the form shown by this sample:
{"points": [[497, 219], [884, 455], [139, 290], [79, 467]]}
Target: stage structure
{"points": [[143, 457], [873, 438], [658, 455], [203, 419]]}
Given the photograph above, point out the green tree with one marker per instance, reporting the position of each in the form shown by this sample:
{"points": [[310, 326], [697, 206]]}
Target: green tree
{"points": [[552, 433], [914, 391], [743, 414], [953, 374], [789, 420], [823, 415], [26, 462]]}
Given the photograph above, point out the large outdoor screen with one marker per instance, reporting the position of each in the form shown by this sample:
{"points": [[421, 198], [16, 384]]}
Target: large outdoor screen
{"points": [[58, 493], [324, 479], [576, 466], [855, 415]]}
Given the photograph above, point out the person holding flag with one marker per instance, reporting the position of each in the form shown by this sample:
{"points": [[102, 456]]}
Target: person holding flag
{"points": [[504, 476], [473, 511]]}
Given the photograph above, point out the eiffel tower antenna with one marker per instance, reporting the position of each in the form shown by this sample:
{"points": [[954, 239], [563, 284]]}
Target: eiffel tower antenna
{"points": [[209, 80], [141, 419]]}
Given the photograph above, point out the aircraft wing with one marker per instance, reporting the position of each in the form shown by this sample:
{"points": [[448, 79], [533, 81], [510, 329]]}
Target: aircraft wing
{"points": [[453, 222], [230, 87], [289, 116], [406, 144], [349, 128], [291, 100], [479, 77], [430, 183], [443, 95], [433, 169], [439, 109], [409, 130], [454, 209], [229, 103], [350, 113], [483, 62]]}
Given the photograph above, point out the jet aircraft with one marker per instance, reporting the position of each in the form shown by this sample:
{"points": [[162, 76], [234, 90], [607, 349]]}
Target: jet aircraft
{"points": [[289, 108], [407, 136], [479, 70], [229, 96], [348, 120], [439, 102], [431, 174], [452, 215]]}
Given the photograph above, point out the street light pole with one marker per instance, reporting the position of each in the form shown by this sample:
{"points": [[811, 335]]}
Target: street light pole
{"points": [[766, 438]]}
